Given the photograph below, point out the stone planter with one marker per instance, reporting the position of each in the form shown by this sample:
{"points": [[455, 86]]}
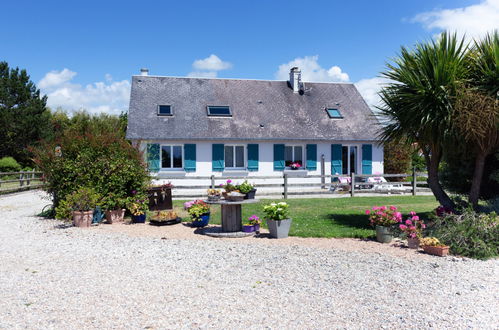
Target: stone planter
{"points": [[440, 251], [413, 243], [160, 198], [383, 234], [279, 228], [82, 219], [115, 216], [250, 194]]}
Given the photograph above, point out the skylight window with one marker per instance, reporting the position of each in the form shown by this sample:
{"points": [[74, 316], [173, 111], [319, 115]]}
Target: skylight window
{"points": [[165, 110], [220, 111], [334, 113]]}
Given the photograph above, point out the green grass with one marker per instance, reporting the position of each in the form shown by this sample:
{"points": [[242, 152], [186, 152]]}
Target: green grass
{"points": [[331, 217]]}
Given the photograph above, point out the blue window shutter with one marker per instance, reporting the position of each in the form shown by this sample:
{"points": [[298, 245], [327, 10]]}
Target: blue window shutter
{"points": [[336, 159], [367, 159], [190, 157], [252, 157], [278, 157], [153, 160], [218, 155], [311, 157]]}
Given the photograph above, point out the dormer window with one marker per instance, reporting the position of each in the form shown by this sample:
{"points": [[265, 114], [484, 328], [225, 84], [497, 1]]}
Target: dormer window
{"points": [[219, 111], [334, 113], [165, 110]]}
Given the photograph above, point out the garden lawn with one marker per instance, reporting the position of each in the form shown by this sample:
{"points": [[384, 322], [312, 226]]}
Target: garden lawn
{"points": [[333, 217]]}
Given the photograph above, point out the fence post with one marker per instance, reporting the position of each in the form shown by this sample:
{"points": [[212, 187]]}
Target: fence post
{"points": [[352, 184], [323, 172], [285, 186], [414, 182], [212, 181], [21, 177]]}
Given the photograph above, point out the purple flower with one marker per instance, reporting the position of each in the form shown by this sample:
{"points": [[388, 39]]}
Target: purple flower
{"points": [[229, 181]]}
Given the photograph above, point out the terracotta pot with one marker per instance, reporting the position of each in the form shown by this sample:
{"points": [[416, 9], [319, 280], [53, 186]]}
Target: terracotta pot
{"points": [[440, 251], [413, 243], [115, 216], [82, 219]]}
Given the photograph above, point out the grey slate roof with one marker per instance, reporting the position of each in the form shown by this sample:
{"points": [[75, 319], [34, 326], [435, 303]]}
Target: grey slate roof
{"points": [[273, 104]]}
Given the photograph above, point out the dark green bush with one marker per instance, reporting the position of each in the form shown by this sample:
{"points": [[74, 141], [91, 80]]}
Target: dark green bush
{"points": [[469, 234], [9, 164]]}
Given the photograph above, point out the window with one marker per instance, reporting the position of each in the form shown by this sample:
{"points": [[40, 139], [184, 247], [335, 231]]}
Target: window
{"points": [[334, 113], [234, 157], [171, 157], [164, 110], [349, 159], [293, 154], [220, 111]]}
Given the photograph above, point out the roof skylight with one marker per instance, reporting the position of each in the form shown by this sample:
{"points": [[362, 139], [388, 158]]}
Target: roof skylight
{"points": [[219, 111]]}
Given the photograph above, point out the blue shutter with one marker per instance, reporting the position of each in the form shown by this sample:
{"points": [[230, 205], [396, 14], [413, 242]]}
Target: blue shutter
{"points": [[190, 157], [153, 160], [336, 159], [278, 157], [252, 157], [218, 156], [367, 159], [311, 157]]}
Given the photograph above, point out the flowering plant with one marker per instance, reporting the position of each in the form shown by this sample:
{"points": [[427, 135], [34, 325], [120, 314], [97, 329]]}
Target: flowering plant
{"points": [[214, 192], [228, 186], [413, 226], [245, 187], [196, 209], [254, 220], [442, 211], [276, 211], [384, 216], [295, 165], [138, 204], [430, 241], [163, 187]]}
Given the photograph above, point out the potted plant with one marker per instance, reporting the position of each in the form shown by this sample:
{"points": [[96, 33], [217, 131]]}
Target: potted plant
{"points": [[160, 197], [199, 212], [432, 245], [138, 206], [295, 166], [276, 215], [413, 229], [253, 224], [113, 206], [162, 218], [82, 203], [383, 218], [214, 195], [248, 189], [228, 187]]}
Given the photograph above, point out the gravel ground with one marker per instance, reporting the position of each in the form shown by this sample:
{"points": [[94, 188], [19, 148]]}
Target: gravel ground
{"points": [[53, 277]]}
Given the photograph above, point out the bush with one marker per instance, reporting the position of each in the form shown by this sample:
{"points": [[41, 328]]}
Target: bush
{"points": [[469, 234], [397, 158], [9, 164]]}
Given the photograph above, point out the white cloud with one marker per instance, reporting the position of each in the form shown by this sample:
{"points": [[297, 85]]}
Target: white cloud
{"points": [[55, 78], [202, 74], [369, 89], [110, 96], [209, 67], [312, 71], [474, 20]]}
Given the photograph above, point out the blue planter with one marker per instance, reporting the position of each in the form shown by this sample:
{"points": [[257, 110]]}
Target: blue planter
{"points": [[202, 221], [139, 218]]}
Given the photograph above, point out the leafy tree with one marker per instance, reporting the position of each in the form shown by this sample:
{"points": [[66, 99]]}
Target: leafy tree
{"points": [[397, 157], [418, 103], [24, 117]]}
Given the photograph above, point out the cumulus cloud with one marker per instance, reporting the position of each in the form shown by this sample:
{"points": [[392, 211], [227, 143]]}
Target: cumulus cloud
{"points": [[369, 89], [109, 96], [209, 67], [472, 21], [312, 71]]}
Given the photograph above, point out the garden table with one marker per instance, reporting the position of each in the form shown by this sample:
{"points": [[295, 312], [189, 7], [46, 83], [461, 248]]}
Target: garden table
{"points": [[232, 214]]}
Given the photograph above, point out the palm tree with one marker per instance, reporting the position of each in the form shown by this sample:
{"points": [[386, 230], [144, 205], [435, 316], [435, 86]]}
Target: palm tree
{"points": [[418, 101]]}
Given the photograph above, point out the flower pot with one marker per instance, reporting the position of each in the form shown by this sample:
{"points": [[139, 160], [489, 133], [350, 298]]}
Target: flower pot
{"points": [[213, 198], [279, 228], [250, 194], [440, 251], [115, 216], [82, 219], [257, 227], [202, 221], [413, 243], [139, 218], [248, 228], [383, 234]]}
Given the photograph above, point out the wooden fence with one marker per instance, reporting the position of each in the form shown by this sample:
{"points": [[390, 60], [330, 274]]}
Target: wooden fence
{"points": [[18, 181]]}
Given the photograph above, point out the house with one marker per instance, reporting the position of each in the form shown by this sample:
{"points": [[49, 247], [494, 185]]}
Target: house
{"points": [[244, 128]]}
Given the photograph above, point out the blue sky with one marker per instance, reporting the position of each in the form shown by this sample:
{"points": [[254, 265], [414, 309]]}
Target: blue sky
{"points": [[82, 54]]}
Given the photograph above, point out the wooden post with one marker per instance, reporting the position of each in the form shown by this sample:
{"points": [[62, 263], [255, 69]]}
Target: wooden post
{"points": [[285, 186], [323, 172], [212, 181], [414, 182], [352, 184]]}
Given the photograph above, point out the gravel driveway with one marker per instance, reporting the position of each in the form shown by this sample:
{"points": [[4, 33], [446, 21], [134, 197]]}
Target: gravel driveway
{"points": [[69, 278]]}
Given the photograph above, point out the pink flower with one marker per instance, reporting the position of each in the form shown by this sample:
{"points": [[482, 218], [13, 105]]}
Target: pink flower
{"points": [[413, 213], [403, 227], [423, 226], [415, 218], [412, 228], [383, 208], [408, 222], [229, 181], [375, 208], [368, 212], [398, 216], [393, 208], [412, 235]]}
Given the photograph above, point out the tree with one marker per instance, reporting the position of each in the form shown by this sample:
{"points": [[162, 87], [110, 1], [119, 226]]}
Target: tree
{"points": [[24, 117], [418, 102], [397, 158]]}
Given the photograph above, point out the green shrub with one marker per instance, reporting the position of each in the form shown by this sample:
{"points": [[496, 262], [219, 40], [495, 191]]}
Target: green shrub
{"points": [[9, 164], [469, 234]]}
